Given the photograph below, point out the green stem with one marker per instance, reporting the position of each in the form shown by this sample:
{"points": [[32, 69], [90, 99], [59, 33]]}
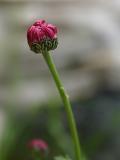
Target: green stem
{"points": [[66, 102]]}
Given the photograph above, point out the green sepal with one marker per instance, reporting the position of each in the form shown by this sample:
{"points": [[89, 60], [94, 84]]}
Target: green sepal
{"points": [[44, 45]]}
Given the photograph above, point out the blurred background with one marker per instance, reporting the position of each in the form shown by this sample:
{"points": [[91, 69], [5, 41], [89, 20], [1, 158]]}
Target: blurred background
{"points": [[88, 61]]}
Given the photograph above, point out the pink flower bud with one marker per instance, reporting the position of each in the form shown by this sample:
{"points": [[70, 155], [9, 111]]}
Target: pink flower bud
{"points": [[38, 145], [42, 36]]}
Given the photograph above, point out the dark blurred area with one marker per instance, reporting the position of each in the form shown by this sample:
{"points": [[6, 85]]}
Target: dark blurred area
{"points": [[88, 60]]}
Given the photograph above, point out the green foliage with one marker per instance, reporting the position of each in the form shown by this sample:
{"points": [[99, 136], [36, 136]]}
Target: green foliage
{"points": [[62, 158]]}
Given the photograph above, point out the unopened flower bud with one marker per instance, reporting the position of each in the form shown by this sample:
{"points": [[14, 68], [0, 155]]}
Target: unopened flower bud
{"points": [[38, 148], [38, 145], [42, 36]]}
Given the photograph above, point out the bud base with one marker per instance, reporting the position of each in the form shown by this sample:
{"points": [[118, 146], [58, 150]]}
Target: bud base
{"points": [[44, 45]]}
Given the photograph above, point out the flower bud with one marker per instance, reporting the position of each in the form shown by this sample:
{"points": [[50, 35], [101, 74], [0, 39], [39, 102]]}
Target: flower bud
{"points": [[38, 148], [42, 37], [38, 145]]}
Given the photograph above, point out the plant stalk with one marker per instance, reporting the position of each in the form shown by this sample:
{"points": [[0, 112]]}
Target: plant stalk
{"points": [[66, 101]]}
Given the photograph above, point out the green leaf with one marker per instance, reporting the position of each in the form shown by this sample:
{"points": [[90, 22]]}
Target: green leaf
{"points": [[62, 158]]}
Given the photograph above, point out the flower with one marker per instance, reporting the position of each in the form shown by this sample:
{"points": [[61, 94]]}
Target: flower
{"points": [[42, 36], [38, 145]]}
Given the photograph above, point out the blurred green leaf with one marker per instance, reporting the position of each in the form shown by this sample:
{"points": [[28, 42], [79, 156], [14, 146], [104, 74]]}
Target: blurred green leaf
{"points": [[62, 158]]}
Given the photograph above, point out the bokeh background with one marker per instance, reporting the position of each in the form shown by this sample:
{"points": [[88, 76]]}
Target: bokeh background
{"points": [[88, 60]]}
